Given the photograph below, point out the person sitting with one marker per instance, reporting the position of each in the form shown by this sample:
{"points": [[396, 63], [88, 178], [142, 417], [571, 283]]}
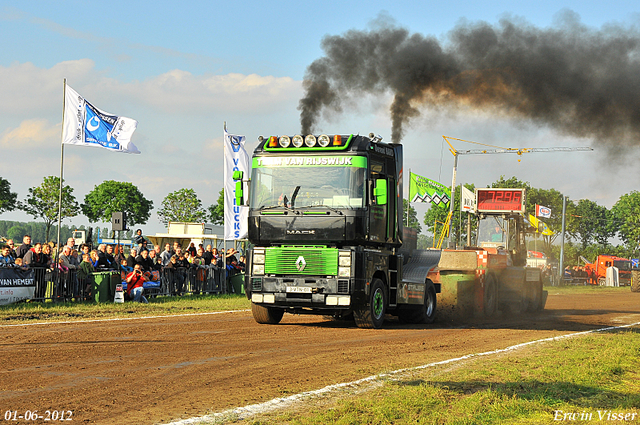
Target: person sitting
{"points": [[135, 281]]}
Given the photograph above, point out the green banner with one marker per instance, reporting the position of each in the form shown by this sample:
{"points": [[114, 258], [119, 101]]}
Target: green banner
{"points": [[422, 189]]}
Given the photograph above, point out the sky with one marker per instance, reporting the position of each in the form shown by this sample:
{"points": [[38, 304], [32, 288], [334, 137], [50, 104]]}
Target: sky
{"points": [[182, 69]]}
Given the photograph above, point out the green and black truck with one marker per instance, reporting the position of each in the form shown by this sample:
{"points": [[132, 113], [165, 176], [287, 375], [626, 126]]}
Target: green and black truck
{"points": [[325, 226]]}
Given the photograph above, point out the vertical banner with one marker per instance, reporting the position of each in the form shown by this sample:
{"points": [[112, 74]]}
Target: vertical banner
{"points": [[468, 201], [422, 189], [235, 159]]}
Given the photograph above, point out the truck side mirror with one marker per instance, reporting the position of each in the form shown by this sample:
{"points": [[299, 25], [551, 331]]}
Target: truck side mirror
{"points": [[380, 192], [239, 192], [237, 176]]}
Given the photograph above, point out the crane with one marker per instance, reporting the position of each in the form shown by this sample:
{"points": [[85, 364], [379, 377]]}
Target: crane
{"points": [[496, 150]]}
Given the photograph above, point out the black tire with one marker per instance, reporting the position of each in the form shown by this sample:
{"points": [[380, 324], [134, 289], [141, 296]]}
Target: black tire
{"points": [[535, 296], [266, 315], [372, 314], [602, 282], [635, 281], [425, 313], [490, 296]]}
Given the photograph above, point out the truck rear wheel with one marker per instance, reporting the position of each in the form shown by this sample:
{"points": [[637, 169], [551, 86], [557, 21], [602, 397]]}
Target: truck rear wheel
{"points": [[425, 313], [535, 296], [635, 281], [490, 296], [266, 315], [372, 315]]}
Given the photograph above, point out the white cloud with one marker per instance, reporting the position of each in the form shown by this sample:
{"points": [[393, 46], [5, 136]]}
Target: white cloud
{"points": [[29, 135]]}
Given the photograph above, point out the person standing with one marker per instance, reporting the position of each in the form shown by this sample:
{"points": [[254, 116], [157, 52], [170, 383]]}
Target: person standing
{"points": [[25, 247], [165, 256]]}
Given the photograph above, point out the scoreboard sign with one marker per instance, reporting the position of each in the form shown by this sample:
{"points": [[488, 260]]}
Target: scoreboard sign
{"points": [[500, 200]]}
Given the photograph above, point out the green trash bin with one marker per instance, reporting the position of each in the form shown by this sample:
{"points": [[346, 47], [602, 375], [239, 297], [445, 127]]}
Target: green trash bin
{"points": [[104, 286], [237, 283]]}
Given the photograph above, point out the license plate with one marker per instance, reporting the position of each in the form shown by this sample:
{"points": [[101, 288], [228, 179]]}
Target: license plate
{"points": [[299, 289]]}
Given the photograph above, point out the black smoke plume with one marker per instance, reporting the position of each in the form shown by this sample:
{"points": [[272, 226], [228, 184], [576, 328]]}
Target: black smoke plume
{"points": [[580, 81]]}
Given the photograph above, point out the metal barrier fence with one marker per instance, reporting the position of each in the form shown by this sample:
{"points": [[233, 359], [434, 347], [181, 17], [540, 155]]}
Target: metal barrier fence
{"points": [[67, 286]]}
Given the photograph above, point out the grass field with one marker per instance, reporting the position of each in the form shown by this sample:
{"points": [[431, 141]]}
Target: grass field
{"points": [[588, 379], [49, 311]]}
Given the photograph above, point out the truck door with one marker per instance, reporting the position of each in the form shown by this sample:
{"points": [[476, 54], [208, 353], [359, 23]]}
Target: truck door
{"points": [[378, 213]]}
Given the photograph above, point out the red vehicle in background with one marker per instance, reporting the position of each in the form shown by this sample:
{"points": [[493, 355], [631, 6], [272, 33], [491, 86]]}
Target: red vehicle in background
{"points": [[597, 270]]}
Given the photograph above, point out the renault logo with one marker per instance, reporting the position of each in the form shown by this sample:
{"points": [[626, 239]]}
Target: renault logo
{"points": [[300, 263]]}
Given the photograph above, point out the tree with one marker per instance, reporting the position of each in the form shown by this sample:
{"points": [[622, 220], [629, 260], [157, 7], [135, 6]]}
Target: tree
{"points": [[43, 201], [627, 214], [182, 205], [438, 214], [216, 211], [411, 218], [112, 196], [8, 199], [595, 223]]}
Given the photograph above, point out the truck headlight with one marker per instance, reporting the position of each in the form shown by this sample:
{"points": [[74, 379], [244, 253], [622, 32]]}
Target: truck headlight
{"points": [[323, 140], [297, 140], [258, 258], [344, 271], [310, 140], [284, 141], [344, 261], [258, 269]]}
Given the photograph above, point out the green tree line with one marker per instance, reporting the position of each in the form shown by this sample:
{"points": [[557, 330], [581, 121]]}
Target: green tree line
{"points": [[43, 201]]}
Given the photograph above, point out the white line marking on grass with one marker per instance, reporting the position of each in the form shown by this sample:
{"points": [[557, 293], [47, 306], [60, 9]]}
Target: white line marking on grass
{"points": [[113, 319], [284, 402]]}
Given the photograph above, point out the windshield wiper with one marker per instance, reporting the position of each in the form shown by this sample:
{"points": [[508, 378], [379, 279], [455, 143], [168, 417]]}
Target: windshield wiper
{"points": [[270, 207], [335, 210], [293, 197]]}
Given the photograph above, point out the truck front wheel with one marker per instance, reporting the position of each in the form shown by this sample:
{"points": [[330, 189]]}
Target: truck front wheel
{"points": [[266, 315], [372, 315]]}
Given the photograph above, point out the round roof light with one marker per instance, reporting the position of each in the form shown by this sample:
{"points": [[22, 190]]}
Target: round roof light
{"points": [[297, 140], [324, 140], [284, 141], [310, 140]]}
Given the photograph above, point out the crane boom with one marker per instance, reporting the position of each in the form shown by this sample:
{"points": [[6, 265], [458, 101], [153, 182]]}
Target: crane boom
{"points": [[520, 151], [496, 150]]}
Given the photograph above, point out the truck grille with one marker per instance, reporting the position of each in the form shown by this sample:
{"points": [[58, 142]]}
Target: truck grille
{"points": [[301, 260]]}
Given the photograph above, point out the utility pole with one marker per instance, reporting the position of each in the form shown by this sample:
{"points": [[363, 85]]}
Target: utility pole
{"points": [[561, 266]]}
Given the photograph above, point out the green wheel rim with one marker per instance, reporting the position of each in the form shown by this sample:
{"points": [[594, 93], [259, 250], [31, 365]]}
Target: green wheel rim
{"points": [[378, 303]]}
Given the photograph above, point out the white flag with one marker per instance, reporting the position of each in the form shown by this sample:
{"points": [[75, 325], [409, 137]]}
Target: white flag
{"points": [[468, 202], [235, 159], [86, 125]]}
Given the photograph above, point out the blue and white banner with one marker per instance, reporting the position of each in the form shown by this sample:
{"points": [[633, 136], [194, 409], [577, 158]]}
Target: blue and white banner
{"points": [[235, 159], [86, 125]]}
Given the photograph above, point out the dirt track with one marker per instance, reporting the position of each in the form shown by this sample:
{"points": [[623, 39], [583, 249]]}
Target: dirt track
{"points": [[151, 371]]}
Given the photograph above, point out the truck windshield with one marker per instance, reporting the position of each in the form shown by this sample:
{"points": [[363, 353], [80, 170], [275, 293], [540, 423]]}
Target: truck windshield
{"points": [[274, 183], [492, 232]]}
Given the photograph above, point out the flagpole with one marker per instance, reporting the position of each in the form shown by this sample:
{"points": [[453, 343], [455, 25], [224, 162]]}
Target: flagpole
{"points": [[64, 100], [224, 230]]}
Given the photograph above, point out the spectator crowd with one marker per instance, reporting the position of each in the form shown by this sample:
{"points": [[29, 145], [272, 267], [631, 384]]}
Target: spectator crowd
{"points": [[140, 265]]}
